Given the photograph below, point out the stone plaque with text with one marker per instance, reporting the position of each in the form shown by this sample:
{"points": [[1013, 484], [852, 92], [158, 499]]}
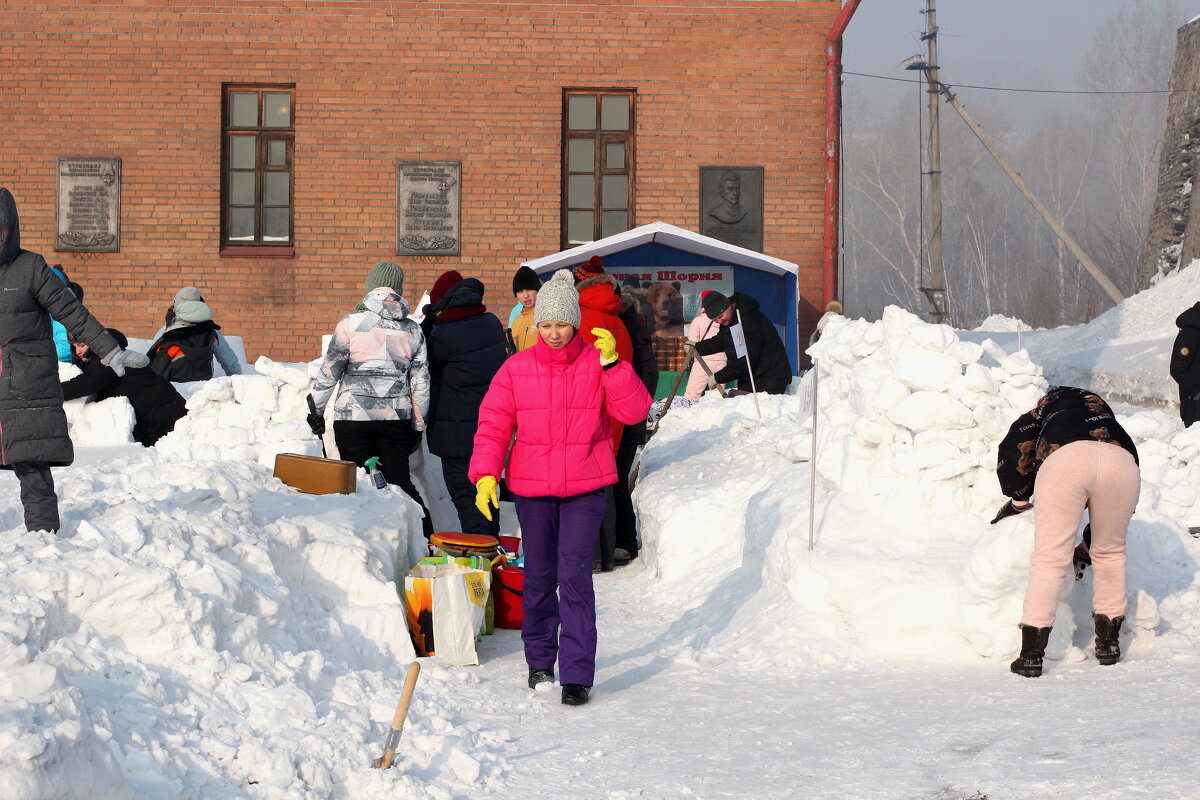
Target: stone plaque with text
{"points": [[427, 208], [88, 205], [731, 205]]}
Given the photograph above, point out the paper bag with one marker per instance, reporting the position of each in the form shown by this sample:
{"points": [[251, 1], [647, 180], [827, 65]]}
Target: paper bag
{"points": [[445, 605]]}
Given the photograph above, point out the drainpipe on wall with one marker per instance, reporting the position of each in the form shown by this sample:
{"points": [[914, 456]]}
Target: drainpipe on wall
{"points": [[833, 155]]}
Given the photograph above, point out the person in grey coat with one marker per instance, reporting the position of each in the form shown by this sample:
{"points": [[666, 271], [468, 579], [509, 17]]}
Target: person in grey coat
{"points": [[378, 355], [33, 426]]}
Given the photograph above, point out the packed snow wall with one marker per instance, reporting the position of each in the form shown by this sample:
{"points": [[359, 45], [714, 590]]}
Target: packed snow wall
{"points": [[905, 565], [199, 630]]}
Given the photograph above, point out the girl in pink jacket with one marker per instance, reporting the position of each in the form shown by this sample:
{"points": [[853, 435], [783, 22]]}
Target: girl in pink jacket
{"points": [[702, 327], [560, 398]]}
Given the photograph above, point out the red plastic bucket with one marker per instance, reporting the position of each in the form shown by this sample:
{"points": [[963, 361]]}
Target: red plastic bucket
{"points": [[508, 588]]}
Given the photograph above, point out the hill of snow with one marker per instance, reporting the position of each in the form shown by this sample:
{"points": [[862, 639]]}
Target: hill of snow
{"points": [[905, 565]]}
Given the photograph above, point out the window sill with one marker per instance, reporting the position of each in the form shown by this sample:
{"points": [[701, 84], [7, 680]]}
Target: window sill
{"points": [[257, 251]]}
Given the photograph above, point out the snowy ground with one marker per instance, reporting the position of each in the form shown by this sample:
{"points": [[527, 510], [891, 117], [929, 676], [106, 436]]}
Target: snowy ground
{"points": [[198, 630]]}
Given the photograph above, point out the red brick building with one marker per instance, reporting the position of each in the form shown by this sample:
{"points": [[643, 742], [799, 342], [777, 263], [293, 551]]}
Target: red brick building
{"points": [[279, 227]]}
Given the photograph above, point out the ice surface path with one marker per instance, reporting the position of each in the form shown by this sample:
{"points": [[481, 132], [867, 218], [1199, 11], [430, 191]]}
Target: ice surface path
{"points": [[666, 726]]}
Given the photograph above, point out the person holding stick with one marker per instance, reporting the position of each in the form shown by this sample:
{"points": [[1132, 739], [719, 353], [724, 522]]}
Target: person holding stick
{"points": [[766, 361]]}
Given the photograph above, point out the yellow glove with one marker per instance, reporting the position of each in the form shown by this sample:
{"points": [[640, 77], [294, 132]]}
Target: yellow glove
{"points": [[486, 497], [606, 344]]}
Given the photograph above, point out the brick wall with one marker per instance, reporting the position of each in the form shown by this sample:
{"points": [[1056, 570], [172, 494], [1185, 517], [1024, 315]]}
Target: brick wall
{"points": [[737, 83]]}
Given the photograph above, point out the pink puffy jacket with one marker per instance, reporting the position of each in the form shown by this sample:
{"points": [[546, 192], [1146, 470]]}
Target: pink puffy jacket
{"points": [[559, 402]]}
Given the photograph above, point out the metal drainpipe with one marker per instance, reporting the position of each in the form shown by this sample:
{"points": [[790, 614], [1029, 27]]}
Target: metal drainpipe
{"points": [[833, 156]]}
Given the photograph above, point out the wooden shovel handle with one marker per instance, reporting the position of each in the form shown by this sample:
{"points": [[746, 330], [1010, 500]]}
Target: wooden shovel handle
{"points": [[410, 683]]}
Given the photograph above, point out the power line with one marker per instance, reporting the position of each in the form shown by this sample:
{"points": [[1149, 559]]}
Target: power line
{"points": [[1010, 89]]}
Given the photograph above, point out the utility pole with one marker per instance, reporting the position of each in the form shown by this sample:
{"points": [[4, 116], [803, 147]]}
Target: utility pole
{"points": [[936, 291], [1055, 225]]}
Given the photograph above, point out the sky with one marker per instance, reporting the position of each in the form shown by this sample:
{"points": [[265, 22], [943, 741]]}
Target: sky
{"points": [[1009, 43]]}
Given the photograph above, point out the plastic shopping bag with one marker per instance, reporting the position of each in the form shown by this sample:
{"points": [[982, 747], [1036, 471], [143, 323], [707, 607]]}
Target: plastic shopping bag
{"points": [[445, 608]]}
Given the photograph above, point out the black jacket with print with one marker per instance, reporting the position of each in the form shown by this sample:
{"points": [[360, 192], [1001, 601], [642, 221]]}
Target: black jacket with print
{"points": [[1063, 415]]}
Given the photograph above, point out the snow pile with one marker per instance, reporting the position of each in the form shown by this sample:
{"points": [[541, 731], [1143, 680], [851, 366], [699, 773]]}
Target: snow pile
{"points": [[999, 322], [246, 417], [905, 565], [200, 630], [250, 417], [1123, 354]]}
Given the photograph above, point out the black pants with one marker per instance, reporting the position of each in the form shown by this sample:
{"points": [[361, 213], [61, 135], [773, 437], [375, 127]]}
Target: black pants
{"points": [[393, 440], [37, 495], [626, 521], [462, 494]]}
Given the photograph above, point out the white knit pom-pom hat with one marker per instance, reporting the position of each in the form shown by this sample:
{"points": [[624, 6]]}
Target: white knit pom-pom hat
{"points": [[558, 301]]}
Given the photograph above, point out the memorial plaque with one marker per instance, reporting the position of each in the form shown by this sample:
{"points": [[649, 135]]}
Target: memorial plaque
{"points": [[731, 205], [88, 205], [427, 208]]}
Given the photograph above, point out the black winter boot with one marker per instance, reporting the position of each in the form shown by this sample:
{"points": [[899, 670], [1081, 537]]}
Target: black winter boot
{"points": [[1033, 650], [575, 694], [537, 676], [1108, 645]]}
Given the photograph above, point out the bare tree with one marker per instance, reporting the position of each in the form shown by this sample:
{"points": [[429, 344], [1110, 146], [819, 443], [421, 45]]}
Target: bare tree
{"points": [[1092, 163]]}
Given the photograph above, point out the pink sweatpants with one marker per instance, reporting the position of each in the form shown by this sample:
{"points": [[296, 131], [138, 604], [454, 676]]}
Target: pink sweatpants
{"points": [[1104, 478]]}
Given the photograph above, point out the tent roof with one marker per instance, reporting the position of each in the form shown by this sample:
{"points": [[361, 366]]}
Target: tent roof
{"points": [[664, 234]]}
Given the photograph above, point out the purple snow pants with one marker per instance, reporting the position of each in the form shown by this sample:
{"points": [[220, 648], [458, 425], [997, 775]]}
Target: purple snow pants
{"points": [[559, 537]]}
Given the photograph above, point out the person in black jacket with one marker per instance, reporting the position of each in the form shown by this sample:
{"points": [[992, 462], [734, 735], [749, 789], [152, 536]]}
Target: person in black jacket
{"points": [[156, 404], [184, 351], [466, 346], [33, 426], [634, 436], [768, 356], [1070, 453], [1185, 367]]}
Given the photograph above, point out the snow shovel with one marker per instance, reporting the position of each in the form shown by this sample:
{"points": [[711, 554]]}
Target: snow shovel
{"points": [[393, 737], [312, 410]]}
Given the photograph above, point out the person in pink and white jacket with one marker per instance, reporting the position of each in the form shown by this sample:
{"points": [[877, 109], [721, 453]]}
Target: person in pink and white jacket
{"points": [[561, 400], [700, 328]]}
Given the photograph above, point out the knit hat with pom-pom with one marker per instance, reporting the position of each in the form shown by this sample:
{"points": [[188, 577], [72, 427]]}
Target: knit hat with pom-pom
{"points": [[558, 301], [589, 269]]}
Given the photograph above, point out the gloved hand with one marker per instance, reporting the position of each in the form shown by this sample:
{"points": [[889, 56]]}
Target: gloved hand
{"points": [[1009, 510], [119, 358], [316, 422], [486, 496], [606, 344]]}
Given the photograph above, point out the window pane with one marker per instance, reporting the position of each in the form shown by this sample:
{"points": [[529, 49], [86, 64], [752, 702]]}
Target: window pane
{"points": [[614, 112], [613, 222], [581, 155], [614, 155], [241, 224], [278, 107], [581, 192], [277, 188], [581, 113], [616, 191], [241, 152], [277, 153], [276, 225], [241, 188], [243, 109], [580, 226]]}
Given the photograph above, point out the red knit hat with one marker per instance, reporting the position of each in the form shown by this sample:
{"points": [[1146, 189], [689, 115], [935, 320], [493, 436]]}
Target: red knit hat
{"points": [[589, 269], [442, 285]]}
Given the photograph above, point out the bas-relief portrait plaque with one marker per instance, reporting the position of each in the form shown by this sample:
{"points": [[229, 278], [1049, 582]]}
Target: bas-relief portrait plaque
{"points": [[88, 205], [731, 205], [427, 208]]}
